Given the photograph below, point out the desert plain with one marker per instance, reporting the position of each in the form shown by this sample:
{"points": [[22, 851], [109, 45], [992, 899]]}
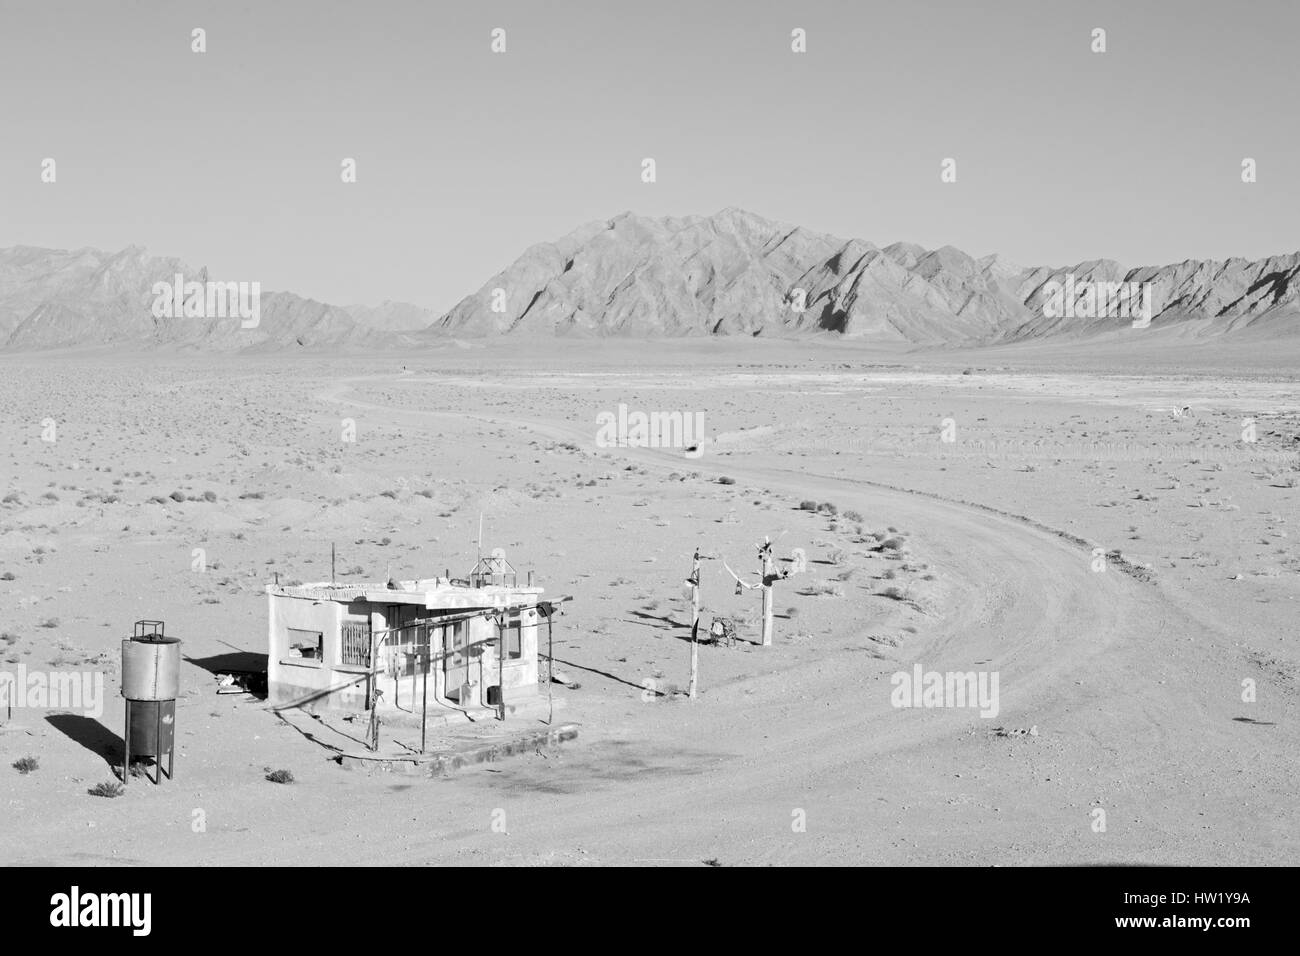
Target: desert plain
{"points": [[1109, 525]]}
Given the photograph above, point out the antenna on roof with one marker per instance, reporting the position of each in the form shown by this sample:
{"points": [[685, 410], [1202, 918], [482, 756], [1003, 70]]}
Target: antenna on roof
{"points": [[480, 536], [332, 576]]}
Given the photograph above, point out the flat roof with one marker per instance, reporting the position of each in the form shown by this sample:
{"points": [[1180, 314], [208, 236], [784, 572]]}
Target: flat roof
{"points": [[427, 592]]}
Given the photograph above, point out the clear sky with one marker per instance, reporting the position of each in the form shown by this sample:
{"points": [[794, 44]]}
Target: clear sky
{"points": [[231, 159]]}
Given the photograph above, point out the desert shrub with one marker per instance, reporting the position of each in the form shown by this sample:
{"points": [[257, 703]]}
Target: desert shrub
{"points": [[26, 765], [827, 508], [109, 789], [826, 589], [209, 496], [724, 480], [852, 516], [177, 496], [807, 505], [7, 576], [388, 494], [839, 556], [49, 622], [11, 498], [892, 544], [280, 776], [50, 496]]}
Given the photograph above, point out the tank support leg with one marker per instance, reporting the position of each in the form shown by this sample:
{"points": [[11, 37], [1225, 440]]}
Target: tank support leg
{"points": [[157, 757], [126, 745]]}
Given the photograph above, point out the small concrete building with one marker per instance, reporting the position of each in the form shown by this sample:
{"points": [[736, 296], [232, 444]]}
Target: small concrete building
{"points": [[344, 646]]}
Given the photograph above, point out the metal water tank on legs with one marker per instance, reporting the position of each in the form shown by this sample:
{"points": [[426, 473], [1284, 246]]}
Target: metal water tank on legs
{"points": [[151, 680]]}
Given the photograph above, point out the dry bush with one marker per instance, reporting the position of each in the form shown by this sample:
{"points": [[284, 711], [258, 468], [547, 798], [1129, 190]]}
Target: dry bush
{"points": [[825, 589]]}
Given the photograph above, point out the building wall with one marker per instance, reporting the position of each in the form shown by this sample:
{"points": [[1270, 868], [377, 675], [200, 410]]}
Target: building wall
{"points": [[519, 675], [290, 680]]}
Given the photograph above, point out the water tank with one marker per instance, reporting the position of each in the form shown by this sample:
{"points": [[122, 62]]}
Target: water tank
{"points": [[151, 682], [151, 668], [152, 726]]}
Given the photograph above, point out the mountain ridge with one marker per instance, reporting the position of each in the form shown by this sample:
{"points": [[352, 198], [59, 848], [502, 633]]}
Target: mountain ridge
{"points": [[738, 273], [730, 273]]}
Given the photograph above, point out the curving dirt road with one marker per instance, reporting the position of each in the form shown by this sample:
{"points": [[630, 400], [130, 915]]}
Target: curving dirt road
{"points": [[1095, 663]]}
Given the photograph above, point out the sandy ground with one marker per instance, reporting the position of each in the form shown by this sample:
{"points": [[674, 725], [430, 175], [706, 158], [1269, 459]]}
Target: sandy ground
{"points": [[1129, 677]]}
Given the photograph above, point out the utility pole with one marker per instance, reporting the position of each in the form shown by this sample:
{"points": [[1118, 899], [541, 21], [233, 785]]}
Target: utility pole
{"points": [[694, 580], [765, 554], [768, 575]]}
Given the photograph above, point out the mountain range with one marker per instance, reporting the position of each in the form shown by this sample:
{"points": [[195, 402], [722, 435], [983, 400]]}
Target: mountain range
{"points": [[732, 273]]}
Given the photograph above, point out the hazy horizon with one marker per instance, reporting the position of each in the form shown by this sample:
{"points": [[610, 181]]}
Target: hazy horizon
{"points": [[230, 159]]}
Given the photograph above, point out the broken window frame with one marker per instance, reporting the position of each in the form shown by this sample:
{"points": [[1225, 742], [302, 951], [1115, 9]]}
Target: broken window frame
{"points": [[291, 645]]}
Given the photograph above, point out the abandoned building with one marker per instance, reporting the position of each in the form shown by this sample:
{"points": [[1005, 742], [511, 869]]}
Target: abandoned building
{"points": [[436, 643]]}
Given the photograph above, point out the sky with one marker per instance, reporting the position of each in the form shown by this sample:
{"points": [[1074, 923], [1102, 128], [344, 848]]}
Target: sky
{"points": [[231, 158]]}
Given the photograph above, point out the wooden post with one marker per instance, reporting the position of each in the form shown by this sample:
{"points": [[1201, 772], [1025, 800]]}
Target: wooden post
{"points": [[767, 593], [501, 667], [373, 693], [424, 691], [695, 623]]}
